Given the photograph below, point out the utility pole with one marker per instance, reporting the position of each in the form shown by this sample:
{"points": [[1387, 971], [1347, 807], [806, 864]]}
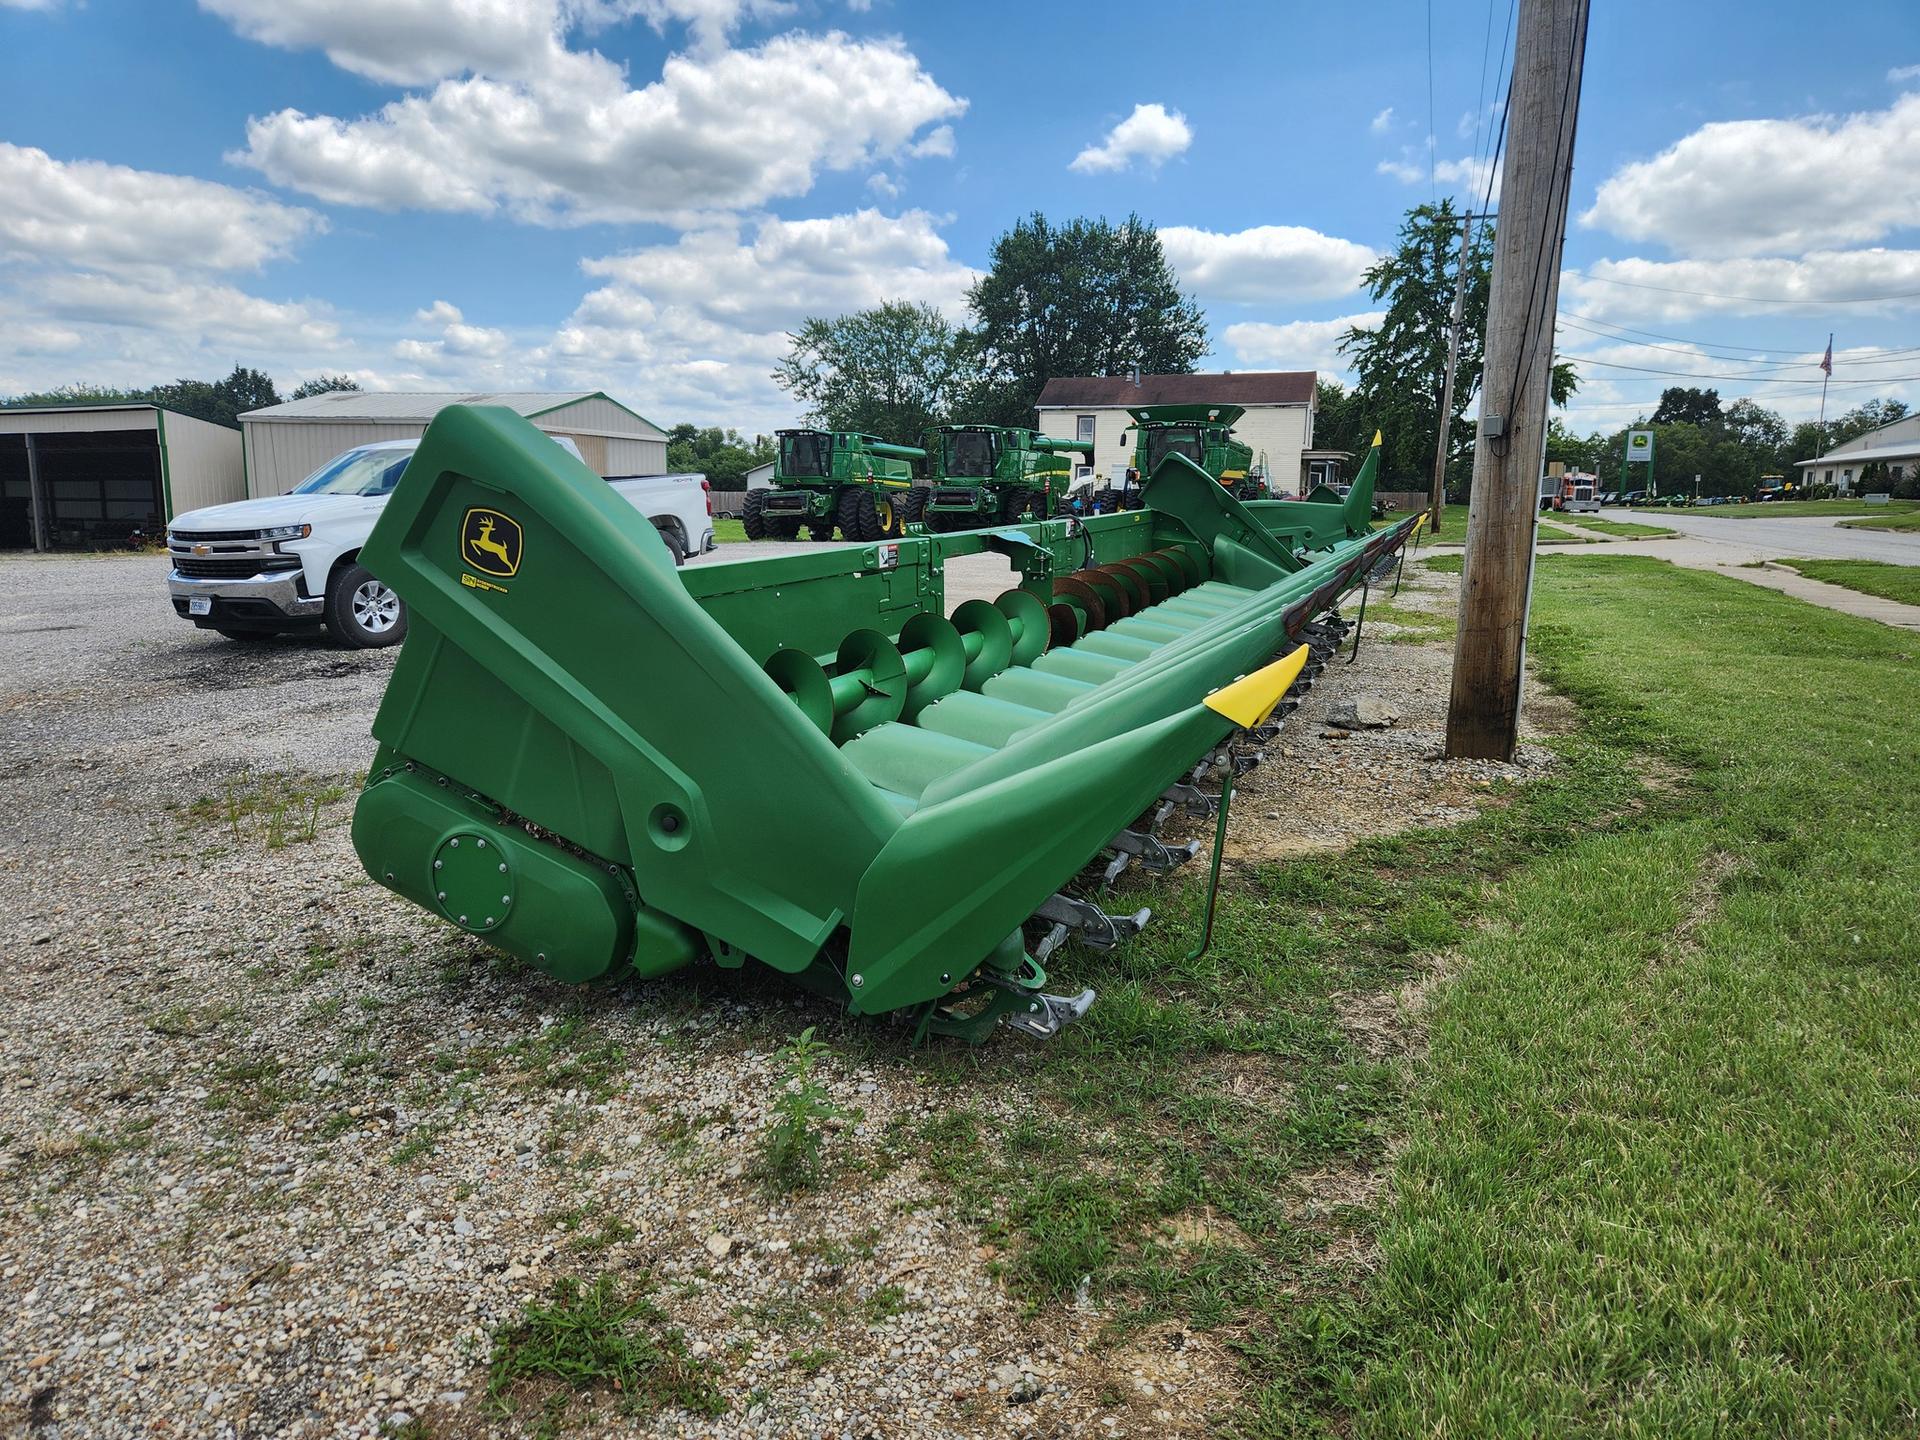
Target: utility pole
{"points": [[1483, 713], [1437, 501]]}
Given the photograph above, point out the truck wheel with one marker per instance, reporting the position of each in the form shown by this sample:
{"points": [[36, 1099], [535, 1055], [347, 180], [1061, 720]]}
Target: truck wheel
{"points": [[856, 514], [362, 612], [916, 506], [753, 514], [671, 539]]}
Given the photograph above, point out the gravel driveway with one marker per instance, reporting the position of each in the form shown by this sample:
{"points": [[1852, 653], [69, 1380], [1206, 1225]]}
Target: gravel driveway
{"points": [[281, 1154]]}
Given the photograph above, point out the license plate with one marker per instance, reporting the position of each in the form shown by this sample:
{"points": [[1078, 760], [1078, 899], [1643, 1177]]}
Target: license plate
{"points": [[199, 604]]}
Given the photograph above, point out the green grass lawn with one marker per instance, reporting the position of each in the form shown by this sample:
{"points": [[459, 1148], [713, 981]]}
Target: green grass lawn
{"points": [[1899, 520], [1621, 529], [1554, 535], [1869, 577], [726, 529], [1657, 1173], [1787, 509]]}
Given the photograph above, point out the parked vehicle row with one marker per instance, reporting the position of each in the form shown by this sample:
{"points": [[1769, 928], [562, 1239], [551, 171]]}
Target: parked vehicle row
{"points": [[254, 568]]}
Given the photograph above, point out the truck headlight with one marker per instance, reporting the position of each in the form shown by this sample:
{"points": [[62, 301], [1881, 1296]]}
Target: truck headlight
{"points": [[287, 532]]}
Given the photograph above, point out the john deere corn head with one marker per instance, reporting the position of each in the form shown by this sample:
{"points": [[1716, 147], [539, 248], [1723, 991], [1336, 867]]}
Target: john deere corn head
{"points": [[988, 474], [824, 478], [596, 762]]}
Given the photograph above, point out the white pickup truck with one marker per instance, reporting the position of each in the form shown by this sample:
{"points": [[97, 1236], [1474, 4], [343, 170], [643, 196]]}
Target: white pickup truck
{"points": [[255, 567]]}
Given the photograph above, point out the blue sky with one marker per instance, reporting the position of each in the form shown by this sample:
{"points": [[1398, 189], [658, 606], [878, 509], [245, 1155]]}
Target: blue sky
{"points": [[643, 195]]}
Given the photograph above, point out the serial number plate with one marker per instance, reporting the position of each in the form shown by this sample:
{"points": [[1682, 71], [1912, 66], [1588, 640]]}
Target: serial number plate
{"points": [[199, 604]]}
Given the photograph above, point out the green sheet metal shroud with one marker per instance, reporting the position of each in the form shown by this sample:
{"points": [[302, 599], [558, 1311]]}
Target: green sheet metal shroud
{"points": [[592, 760]]}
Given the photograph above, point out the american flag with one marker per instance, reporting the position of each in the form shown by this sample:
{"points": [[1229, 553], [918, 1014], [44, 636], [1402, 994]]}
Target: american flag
{"points": [[1826, 362]]}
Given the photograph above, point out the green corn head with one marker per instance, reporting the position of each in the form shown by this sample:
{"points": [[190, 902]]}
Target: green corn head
{"points": [[593, 761]]}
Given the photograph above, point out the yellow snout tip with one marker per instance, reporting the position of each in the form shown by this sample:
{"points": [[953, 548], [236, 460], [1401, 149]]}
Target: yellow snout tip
{"points": [[1248, 701]]}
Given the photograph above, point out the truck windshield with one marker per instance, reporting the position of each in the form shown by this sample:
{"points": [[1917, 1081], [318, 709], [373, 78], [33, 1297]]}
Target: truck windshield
{"points": [[358, 472], [970, 454], [1173, 441], [804, 454]]}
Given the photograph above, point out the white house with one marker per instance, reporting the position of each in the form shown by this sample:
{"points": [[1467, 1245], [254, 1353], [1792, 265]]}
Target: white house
{"points": [[1278, 425], [1895, 446]]}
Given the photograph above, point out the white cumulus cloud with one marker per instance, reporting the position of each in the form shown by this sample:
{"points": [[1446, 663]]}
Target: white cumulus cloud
{"points": [[1265, 263], [725, 131], [1297, 344], [696, 326], [1152, 134], [87, 213], [1759, 187], [1382, 122], [1635, 288]]}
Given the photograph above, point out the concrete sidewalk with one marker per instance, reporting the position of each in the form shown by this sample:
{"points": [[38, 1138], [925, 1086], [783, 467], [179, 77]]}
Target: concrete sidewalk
{"points": [[1726, 555]]}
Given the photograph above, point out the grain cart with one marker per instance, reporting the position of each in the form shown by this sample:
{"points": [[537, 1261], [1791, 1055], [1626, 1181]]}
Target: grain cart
{"points": [[995, 474], [824, 478], [603, 765], [1202, 433]]}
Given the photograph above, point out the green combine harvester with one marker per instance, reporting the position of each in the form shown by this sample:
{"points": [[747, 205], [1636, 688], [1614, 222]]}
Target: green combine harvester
{"points": [[995, 474], [1203, 434], [828, 478], [605, 766]]}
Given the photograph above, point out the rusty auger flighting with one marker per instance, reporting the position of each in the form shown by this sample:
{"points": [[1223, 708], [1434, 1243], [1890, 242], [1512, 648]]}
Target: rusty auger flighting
{"points": [[598, 762]]}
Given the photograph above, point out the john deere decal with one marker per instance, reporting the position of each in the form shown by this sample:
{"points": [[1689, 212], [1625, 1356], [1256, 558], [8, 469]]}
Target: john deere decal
{"points": [[490, 542]]}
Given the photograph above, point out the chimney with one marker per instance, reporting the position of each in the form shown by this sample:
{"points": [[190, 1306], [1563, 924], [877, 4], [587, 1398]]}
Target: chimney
{"points": [[1135, 377]]}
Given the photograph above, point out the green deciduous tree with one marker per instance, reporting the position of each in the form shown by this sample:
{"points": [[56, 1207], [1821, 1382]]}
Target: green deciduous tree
{"points": [[1084, 298], [323, 385], [1684, 405], [723, 456], [890, 371], [1401, 364], [1340, 421]]}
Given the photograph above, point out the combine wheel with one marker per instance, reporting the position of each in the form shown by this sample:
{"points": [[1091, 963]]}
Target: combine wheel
{"points": [[1106, 499], [1038, 500], [753, 514], [820, 530], [784, 528], [856, 514], [1013, 504], [889, 512], [914, 506]]}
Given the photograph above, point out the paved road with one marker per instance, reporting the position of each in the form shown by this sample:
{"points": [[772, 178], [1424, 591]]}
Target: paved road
{"points": [[1766, 538]]}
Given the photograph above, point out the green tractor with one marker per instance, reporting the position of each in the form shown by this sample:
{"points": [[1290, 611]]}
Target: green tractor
{"points": [[995, 475], [828, 478], [1203, 434]]}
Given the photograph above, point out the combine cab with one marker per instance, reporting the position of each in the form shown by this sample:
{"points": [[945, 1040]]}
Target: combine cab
{"points": [[1204, 435], [601, 764], [828, 478], [994, 474]]}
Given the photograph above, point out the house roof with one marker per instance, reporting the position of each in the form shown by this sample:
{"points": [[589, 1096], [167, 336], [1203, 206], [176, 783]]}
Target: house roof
{"points": [[1239, 387], [1849, 458], [404, 405]]}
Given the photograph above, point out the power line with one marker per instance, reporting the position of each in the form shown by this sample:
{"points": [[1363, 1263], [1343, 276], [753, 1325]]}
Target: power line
{"points": [[1433, 140], [1755, 299], [1689, 340], [1889, 357], [1480, 95], [1748, 378]]}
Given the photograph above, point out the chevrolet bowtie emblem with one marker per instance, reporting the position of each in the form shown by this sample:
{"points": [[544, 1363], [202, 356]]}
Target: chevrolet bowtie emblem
{"points": [[203, 549]]}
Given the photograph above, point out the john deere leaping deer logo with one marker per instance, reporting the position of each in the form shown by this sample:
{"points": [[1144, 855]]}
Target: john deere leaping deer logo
{"points": [[490, 542]]}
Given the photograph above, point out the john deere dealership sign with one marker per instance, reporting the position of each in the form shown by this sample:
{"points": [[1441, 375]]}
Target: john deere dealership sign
{"points": [[1640, 446]]}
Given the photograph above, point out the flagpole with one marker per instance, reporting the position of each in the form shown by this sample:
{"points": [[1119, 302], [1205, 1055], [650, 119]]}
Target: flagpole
{"points": [[1825, 378]]}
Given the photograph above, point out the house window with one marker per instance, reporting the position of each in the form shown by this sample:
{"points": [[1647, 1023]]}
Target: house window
{"points": [[1083, 429]]}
